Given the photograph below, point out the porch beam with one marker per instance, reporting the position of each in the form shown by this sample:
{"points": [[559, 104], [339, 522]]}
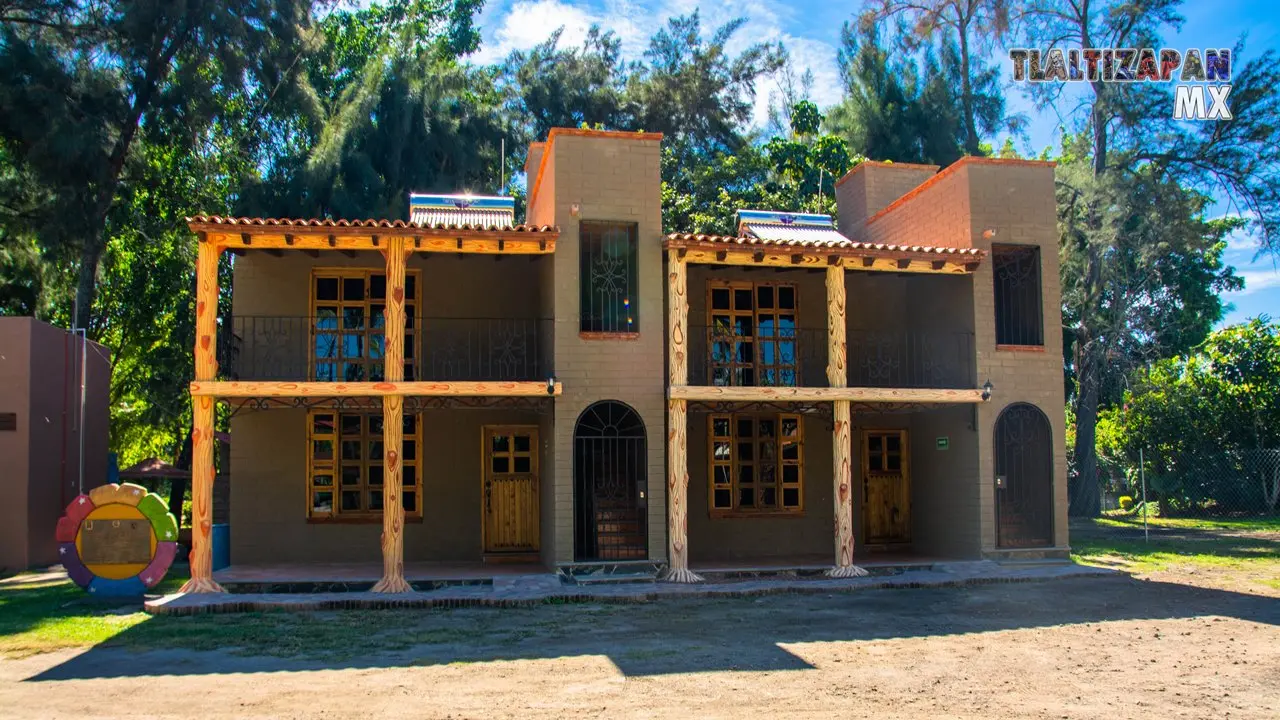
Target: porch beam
{"points": [[477, 242], [202, 423], [883, 261], [842, 474], [250, 389], [812, 394], [393, 426], [678, 423]]}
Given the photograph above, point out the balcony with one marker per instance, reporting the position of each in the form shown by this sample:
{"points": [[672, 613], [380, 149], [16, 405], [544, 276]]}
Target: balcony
{"points": [[797, 357], [349, 349]]}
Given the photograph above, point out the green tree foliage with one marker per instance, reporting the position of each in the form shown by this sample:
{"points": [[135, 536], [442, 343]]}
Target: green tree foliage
{"points": [[891, 111], [1197, 418], [966, 29], [79, 82], [1132, 138], [795, 173], [565, 87]]}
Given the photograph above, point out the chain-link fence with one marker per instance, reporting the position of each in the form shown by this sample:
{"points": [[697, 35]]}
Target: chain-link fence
{"points": [[1225, 483]]}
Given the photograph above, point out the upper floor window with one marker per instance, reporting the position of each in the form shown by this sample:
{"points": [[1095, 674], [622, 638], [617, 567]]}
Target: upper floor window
{"points": [[1019, 314], [752, 333], [608, 277], [348, 310]]}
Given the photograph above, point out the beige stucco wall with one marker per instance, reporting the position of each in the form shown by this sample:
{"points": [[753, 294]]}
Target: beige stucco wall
{"points": [[269, 493], [608, 178]]}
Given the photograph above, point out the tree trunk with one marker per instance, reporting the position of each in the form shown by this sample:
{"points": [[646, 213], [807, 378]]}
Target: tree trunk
{"points": [[966, 93], [1085, 500], [178, 486], [87, 283]]}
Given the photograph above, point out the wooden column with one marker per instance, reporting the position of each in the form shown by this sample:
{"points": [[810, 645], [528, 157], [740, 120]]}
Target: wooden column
{"points": [[393, 427], [841, 463], [678, 423], [202, 422]]}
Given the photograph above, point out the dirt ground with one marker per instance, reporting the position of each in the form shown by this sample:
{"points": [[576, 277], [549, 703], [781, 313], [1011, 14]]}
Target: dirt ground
{"points": [[1094, 647]]}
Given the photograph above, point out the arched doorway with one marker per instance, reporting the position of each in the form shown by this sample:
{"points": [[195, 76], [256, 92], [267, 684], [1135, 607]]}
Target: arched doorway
{"points": [[609, 461], [1024, 477]]}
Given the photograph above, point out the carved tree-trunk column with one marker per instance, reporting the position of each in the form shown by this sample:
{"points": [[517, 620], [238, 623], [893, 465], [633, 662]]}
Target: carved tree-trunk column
{"points": [[393, 427], [841, 463], [678, 423], [202, 419]]}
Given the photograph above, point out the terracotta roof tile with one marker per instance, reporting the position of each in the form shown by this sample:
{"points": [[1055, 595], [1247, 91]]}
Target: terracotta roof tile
{"points": [[369, 223], [684, 239]]}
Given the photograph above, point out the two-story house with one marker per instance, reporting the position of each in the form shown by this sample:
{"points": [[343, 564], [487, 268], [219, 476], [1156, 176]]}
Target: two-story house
{"points": [[584, 389]]}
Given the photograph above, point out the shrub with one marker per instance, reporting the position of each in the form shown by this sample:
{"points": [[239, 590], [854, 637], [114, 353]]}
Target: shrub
{"points": [[1126, 503]]}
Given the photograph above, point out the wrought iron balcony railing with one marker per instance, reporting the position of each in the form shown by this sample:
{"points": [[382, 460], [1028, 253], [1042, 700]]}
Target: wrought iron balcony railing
{"points": [[910, 359], [351, 349], [798, 357]]}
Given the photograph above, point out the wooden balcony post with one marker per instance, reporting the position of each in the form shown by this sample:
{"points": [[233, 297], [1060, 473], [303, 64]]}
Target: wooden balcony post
{"points": [[841, 441], [393, 426], [202, 422], [678, 423]]}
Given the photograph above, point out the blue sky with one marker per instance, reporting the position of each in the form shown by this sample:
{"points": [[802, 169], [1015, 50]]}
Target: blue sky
{"points": [[811, 31]]}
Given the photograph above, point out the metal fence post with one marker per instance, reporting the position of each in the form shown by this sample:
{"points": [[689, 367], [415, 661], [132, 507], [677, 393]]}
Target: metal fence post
{"points": [[1142, 473]]}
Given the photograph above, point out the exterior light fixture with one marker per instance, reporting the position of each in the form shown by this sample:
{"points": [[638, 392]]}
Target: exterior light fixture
{"points": [[551, 385], [986, 390]]}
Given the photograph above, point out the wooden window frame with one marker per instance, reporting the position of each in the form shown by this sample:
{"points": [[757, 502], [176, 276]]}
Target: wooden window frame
{"points": [[588, 328], [763, 374], [1019, 338], [368, 330], [733, 464], [332, 466]]}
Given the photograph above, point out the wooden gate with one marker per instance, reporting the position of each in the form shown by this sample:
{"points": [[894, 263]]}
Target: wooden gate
{"points": [[1024, 478], [886, 482], [511, 510]]}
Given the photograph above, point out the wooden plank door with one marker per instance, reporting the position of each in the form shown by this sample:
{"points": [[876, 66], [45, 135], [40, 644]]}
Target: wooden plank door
{"points": [[886, 481], [510, 492]]}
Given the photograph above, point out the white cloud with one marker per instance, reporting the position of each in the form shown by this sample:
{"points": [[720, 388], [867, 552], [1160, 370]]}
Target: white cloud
{"points": [[1258, 279], [525, 23]]}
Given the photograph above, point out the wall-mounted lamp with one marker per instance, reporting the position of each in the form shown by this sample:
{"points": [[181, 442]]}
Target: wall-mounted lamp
{"points": [[575, 209], [551, 385], [989, 233], [987, 387]]}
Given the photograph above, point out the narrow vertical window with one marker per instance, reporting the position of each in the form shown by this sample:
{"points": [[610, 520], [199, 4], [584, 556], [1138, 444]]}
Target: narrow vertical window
{"points": [[1019, 313], [608, 277]]}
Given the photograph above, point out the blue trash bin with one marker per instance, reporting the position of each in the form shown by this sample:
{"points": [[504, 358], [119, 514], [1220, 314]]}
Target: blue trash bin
{"points": [[221, 545]]}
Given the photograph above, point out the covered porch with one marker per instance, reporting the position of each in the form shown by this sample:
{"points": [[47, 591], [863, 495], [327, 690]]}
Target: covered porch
{"points": [[722, 423]]}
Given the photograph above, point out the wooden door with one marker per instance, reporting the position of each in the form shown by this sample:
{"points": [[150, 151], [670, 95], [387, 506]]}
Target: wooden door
{"points": [[510, 492], [886, 478]]}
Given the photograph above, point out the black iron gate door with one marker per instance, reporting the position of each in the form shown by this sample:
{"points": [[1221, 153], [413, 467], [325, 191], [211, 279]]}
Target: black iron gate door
{"points": [[1024, 478], [608, 484]]}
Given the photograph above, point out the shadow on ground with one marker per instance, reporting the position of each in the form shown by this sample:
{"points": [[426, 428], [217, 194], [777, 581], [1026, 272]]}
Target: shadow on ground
{"points": [[669, 636]]}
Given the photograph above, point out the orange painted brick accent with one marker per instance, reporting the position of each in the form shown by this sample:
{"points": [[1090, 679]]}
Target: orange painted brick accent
{"points": [[949, 170]]}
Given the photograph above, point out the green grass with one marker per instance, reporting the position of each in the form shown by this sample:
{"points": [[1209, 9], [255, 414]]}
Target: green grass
{"points": [[1239, 549], [1255, 524]]}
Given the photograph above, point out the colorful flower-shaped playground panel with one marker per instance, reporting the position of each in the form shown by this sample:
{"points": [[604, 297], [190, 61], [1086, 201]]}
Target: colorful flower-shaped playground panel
{"points": [[117, 540]]}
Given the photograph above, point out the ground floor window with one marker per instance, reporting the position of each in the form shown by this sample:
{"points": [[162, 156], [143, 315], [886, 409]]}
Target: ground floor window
{"points": [[345, 470], [756, 464]]}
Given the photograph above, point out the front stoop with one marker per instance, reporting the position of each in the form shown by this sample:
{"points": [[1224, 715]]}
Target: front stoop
{"points": [[1029, 554], [547, 589], [611, 572]]}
